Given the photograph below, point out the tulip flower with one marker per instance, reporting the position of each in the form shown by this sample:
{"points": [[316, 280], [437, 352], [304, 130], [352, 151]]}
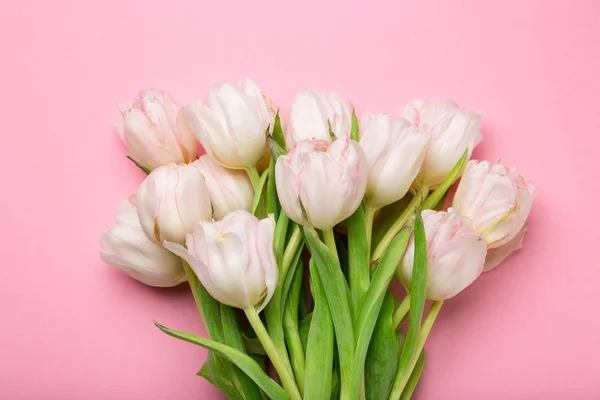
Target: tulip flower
{"points": [[329, 178], [453, 130], [152, 133], [229, 189], [455, 254], [314, 113], [171, 200], [496, 199], [233, 258], [126, 247], [497, 255], [394, 152], [231, 124]]}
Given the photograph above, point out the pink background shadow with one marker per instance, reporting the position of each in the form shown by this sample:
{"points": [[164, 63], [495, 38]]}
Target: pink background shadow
{"points": [[73, 328]]}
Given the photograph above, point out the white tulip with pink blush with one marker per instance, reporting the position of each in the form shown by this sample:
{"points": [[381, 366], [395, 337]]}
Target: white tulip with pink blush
{"points": [[171, 200], [231, 124], [313, 114], [233, 258], [453, 131], [329, 179], [455, 254], [152, 132], [126, 247]]}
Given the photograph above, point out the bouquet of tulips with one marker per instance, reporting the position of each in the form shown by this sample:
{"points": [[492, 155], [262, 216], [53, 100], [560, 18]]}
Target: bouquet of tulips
{"points": [[291, 234]]}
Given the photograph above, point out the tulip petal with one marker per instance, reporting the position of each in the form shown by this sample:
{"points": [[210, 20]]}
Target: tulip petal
{"points": [[497, 255]]}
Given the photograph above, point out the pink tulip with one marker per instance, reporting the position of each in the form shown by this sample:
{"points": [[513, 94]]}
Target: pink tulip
{"points": [[152, 133], [453, 130], [497, 255], [394, 152], [233, 258], [126, 247], [171, 200], [455, 254], [496, 199], [313, 113], [329, 178]]}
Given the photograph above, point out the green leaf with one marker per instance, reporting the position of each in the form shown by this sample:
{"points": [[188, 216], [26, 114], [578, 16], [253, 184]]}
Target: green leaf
{"points": [[290, 323], [276, 149], [234, 338], [254, 346], [441, 190], [358, 257], [319, 348], [417, 297], [291, 277], [336, 291], [354, 129], [411, 385], [258, 194], [280, 236], [140, 166], [278, 131], [371, 306], [304, 329], [343, 256], [213, 371], [383, 355], [272, 201], [241, 360]]}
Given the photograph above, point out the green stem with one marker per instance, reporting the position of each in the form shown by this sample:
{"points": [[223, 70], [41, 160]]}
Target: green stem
{"points": [[369, 216], [399, 223], [284, 374], [329, 240], [402, 376], [401, 312], [193, 282], [254, 176], [290, 251]]}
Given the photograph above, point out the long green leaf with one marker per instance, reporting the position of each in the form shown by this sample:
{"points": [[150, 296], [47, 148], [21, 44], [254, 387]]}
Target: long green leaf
{"points": [[258, 194], [441, 190], [278, 131], [336, 291], [233, 338], [319, 348], [358, 257], [304, 329], [213, 371], [241, 360], [290, 324], [384, 351], [371, 306], [272, 200], [290, 278], [411, 385]]}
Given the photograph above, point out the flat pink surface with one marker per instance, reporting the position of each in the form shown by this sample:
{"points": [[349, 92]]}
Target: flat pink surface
{"points": [[72, 328]]}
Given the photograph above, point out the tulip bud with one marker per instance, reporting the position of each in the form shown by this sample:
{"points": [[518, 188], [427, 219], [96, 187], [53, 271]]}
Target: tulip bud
{"points": [[497, 255], [232, 123], [152, 134], [126, 247], [229, 189], [394, 152], [496, 199], [171, 200], [314, 113], [233, 258], [455, 254], [329, 178], [453, 130]]}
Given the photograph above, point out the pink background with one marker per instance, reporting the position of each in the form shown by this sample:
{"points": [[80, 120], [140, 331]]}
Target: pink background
{"points": [[72, 328]]}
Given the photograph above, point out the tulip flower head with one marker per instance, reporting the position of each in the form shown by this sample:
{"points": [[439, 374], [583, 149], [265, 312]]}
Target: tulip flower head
{"points": [[126, 247], [229, 189], [152, 133], [329, 178], [233, 258], [314, 114], [496, 199], [453, 130], [455, 254], [171, 200], [231, 124], [394, 152]]}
